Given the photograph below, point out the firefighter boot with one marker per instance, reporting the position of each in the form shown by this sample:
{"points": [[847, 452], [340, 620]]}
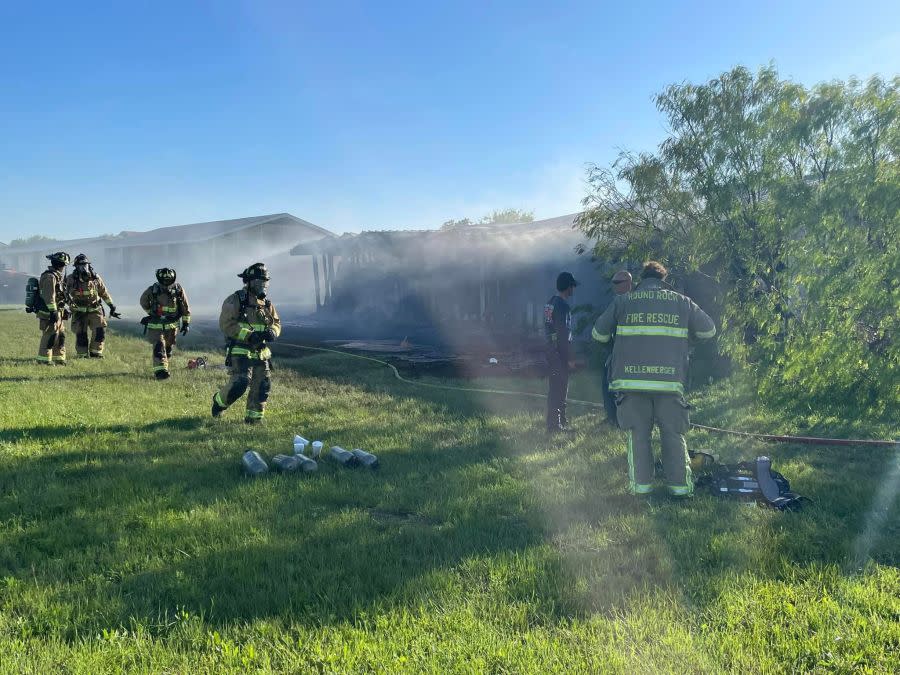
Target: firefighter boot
{"points": [[217, 409]]}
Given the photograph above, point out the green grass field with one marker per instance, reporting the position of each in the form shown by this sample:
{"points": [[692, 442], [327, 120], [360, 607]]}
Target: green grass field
{"points": [[130, 540]]}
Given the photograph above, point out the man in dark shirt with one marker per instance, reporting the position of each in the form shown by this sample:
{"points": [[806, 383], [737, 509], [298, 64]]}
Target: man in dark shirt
{"points": [[558, 329]]}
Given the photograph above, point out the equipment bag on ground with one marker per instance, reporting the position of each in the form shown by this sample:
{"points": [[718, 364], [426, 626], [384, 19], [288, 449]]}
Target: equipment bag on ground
{"points": [[753, 480]]}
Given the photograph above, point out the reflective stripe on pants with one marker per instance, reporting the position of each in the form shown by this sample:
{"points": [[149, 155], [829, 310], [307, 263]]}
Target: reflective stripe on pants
{"points": [[637, 413]]}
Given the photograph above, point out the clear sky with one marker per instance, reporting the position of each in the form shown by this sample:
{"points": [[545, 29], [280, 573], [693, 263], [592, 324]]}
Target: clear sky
{"points": [[366, 115]]}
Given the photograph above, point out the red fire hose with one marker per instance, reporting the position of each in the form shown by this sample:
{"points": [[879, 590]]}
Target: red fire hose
{"points": [[772, 438], [809, 440]]}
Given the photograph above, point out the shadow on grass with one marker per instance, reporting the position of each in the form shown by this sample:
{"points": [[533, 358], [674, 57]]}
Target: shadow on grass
{"points": [[148, 522], [51, 432], [73, 377], [139, 526]]}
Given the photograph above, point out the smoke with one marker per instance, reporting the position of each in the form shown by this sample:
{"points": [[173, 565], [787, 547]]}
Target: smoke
{"points": [[460, 285], [882, 504]]}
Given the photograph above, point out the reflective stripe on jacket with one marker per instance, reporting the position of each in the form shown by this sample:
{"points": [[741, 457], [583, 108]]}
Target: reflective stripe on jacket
{"points": [[166, 308], [651, 326], [237, 324], [50, 285], [86, 295]]}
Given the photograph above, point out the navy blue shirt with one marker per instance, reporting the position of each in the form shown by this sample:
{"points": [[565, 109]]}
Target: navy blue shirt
{"points": [[558, 325]]}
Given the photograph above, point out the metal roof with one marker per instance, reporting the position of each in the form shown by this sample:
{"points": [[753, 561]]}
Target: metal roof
{"points": [[348, 243], [178, 234]]}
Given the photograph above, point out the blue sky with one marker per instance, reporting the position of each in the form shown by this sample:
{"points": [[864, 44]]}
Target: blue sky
{"points": [[366, 115]]}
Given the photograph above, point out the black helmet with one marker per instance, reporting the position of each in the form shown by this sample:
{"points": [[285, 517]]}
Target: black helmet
{"points": [[165, 276], [81, 259], [565, 281], [60, 258], [255, 271]]}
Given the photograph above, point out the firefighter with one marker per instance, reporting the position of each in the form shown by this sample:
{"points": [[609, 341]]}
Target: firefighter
{"points": [[621, 283], [558, 331], [52, 312], [85, 290], [250, 323], [652, 325], [167, 310]]}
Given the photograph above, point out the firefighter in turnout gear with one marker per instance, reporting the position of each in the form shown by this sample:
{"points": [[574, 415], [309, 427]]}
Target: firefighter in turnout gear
{"points": [[621, 283], [51, 311], [85, 290], [167, 310], [652, 325], [250, 323], [558, 331]]}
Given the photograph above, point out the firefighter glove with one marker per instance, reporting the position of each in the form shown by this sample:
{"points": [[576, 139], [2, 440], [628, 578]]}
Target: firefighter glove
{"points": [[113, 313], [66, 314], [256, 338], [269, 335], [185, 328], [54, 317]]}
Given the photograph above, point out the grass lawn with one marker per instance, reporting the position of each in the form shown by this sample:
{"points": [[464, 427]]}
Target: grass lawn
{"points": [[129, 539]]}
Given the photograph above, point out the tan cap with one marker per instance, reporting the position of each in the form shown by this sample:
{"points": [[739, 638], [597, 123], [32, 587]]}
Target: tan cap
{"points": [[621, 281]]}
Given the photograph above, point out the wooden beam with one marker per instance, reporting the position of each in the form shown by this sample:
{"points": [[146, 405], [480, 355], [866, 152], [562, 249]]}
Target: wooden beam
{"points": [[327, 279], [330, 274], [316, 279]]}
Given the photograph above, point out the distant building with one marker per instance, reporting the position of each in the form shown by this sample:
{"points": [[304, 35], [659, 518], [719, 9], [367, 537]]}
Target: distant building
{"points": [[499, 274], [207, 256]]}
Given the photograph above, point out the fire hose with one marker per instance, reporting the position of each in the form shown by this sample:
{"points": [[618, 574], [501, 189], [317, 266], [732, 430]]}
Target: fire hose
{"points": [[772, 438]]}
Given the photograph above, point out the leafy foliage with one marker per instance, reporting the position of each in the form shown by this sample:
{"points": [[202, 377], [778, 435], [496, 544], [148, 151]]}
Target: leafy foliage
{"points": [[789, 199], [505, 216], [34, 239]]}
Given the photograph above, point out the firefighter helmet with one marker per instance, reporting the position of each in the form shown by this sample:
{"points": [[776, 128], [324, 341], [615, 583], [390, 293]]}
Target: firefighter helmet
{"points": [[81, 259], [255, 271], [59, 258], [165, 276]]}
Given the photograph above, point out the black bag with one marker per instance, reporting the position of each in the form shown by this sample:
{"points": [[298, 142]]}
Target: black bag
{"points": [[752, 481]]}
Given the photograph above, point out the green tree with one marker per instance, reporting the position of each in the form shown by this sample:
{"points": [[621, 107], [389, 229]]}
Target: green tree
{"points": [[456, 224], [788, 198], [508, 216], [505, 216], [34, 239]]}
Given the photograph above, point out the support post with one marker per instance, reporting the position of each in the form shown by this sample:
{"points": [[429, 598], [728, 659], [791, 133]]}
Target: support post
{"points": [[330, 275], [316, 280]]}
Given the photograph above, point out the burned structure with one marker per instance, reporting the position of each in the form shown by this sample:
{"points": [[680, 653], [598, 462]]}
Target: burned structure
{"points": [[482, 278], [206, 255]]}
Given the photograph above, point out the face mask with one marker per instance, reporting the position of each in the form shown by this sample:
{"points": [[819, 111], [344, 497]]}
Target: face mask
{"points": [[82, 273], [259, 288]]}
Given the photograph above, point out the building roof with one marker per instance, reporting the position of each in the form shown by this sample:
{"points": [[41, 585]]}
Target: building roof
{"points": [[350, 243], [178, 234]]}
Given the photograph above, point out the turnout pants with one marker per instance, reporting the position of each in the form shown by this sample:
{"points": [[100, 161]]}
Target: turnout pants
{"points": [[52, 348], [559, 389], [638, 412], [247, 373], [609, 397], [163, 341], [90, 332]]}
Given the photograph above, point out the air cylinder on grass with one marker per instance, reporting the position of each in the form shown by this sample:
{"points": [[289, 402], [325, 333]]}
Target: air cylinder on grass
{"points": [[367, 459], [344, 457], [254, 464]]}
